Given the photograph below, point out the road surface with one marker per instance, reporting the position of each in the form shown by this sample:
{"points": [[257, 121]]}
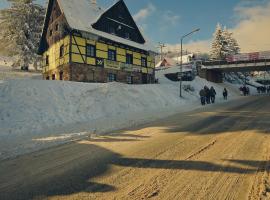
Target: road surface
{"points": [[217, 152]]}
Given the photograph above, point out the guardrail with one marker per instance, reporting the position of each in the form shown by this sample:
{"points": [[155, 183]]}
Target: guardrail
{"points": [[224, 62]]}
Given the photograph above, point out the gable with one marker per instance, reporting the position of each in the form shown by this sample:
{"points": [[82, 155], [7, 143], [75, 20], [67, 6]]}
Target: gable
{"points": [[118, 21], [55, 26]]}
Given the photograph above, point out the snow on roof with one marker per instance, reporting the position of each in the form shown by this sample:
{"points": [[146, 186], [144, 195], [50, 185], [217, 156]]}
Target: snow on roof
{"points": [[169, 61], [81, 14]]}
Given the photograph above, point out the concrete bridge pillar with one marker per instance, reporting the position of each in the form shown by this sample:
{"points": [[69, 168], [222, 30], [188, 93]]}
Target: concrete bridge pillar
{"points": [[211, 75]]}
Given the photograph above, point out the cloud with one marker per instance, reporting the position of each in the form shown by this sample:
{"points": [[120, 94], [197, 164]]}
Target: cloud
{"points": [[202, 46], [253, 27], [144, 13], [170, 18]]}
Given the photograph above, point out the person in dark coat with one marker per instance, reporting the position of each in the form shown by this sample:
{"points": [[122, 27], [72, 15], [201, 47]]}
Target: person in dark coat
{"points": [[225, 94], [207, 94], [212, 94], [202, 96]]}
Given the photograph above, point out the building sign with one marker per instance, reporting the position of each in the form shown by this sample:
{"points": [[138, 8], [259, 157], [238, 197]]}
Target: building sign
{"points": [[100, 62], [144, 70], [112, 64]]}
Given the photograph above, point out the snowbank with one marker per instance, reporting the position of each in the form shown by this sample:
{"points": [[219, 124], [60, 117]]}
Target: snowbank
{"points": [[36, 114]]}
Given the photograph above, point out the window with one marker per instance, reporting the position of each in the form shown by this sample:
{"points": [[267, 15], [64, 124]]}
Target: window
{"points": [[51, 32], [144, 62], [127, 35], [112, 55], [61, 76], [53, 77], [130, 79], [90, 50], [47, 60], [111, 77], [129, 58], [56, 27], [61, 50]]}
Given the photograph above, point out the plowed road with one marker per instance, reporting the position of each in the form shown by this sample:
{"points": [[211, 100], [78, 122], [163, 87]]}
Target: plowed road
{"points": [[217, 152]]}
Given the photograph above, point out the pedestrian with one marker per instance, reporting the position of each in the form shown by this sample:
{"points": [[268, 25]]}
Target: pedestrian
{"points": [[207, 94], [212, 94], [202, 96], [225, 94]]}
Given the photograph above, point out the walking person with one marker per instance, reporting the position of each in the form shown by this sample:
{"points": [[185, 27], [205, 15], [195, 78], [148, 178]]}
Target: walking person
{"points": [[225, 94], [207, 94], [202, 96], [212, 94]]}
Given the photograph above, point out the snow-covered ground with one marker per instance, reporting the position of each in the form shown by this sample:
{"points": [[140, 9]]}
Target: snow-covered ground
{"points": [[36, 114]]}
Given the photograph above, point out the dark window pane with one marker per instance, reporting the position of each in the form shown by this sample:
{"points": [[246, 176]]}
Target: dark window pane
{"points": [[112, 55], [61, 50], [129, 58], [144, 62], [90, 50]]}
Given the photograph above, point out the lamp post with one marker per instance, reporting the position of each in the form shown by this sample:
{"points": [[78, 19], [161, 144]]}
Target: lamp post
{"points": [[181, 64]]}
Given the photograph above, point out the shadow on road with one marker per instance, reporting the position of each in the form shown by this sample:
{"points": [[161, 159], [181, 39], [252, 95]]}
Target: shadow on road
{"points": [[45, 176]]}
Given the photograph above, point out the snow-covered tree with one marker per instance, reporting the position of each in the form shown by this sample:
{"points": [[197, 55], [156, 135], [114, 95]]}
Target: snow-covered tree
{"points": [[21, 26], [223, 44], [232, 46], [218, 44]]}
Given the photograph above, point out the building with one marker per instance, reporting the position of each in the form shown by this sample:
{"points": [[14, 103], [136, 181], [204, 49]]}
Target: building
{"points": [[165, 62], [82, 42]]}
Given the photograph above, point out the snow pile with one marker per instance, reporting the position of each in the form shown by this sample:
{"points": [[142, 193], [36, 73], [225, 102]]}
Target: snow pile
{"points": [[35, 114]]}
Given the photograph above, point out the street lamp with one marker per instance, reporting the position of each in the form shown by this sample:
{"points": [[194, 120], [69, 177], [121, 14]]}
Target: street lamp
{"points": [[181, 64]]}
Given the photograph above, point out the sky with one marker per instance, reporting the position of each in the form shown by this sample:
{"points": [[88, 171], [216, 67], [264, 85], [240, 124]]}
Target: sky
{"points": [[166, 21]]}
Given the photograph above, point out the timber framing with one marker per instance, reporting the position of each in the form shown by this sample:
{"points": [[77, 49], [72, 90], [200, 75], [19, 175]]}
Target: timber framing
{"points": [[122, 55]]}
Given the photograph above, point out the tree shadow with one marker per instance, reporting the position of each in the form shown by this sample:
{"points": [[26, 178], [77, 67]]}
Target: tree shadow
{"points": [[186, 165], [47, 175]]}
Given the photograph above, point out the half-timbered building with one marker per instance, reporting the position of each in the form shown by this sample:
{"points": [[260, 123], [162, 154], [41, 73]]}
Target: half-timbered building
{"points": [[83, 42]]}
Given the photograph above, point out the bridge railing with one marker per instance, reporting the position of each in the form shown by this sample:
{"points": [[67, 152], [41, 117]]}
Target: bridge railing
{"points": [[224, 62]]}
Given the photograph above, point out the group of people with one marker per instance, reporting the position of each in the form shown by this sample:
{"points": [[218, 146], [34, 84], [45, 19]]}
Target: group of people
{"points": [[208, 96], [263, 89], [245, 90]]}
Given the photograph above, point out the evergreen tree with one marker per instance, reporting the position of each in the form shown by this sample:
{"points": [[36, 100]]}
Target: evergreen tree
{"points": [[232, 46], [218, 45], [21, 29], [223, 44]]}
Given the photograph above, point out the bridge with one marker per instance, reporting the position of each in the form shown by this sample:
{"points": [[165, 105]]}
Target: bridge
{"points": [[213, 70]]}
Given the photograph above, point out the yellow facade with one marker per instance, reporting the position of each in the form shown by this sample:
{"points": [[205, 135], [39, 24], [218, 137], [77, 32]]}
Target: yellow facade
{"points": [[53, 54], [78, 55]]}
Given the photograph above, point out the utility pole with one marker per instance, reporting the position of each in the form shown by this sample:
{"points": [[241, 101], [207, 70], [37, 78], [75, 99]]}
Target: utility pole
{"points": [[161, 46]]}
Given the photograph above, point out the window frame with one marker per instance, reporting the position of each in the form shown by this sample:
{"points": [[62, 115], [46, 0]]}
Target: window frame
{"points": [[144, 62], [47, 61], [130, 79], [111, 77], [128, 55], [93, 50], [112, 57], [62, 51]]}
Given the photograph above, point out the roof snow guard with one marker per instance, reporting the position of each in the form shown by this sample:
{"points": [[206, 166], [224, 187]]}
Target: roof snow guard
{"points": [[81, 15]]}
